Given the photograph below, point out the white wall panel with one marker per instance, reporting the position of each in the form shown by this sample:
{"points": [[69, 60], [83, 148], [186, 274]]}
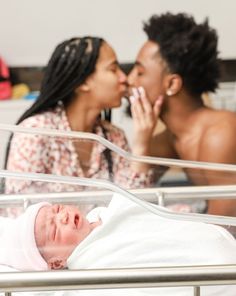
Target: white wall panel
{"points": [[30, 29]]}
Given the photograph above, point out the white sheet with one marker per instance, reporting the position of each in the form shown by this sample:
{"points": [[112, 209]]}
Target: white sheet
{"points": [[131, 236]]}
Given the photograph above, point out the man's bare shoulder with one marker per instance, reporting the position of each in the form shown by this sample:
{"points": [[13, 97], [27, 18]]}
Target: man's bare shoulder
{"points": [[219, 124], [213, 118], [218, 141]]}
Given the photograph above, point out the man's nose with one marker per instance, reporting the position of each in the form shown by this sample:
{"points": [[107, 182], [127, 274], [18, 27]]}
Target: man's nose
{"points": [[131, 79]]}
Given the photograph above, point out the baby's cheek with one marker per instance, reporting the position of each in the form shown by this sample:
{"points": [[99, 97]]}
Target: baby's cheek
{"points": [[69, 238]]}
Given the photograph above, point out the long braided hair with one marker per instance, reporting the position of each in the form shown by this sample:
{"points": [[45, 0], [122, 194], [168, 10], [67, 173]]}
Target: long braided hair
{"points": [[69, 66]]}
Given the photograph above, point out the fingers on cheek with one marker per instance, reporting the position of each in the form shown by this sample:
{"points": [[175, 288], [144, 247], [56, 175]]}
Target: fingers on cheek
{"points": [[132, 100], [137, 107], [135, 92], [145, 102], [142, 93], [135, 103], [132, 105], [133, 111], [138, 115], [139, 112], [140, 107]]}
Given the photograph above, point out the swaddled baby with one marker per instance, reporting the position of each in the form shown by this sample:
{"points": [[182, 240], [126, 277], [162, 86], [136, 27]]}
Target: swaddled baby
{"points": [[44, 236], [122, 235]]}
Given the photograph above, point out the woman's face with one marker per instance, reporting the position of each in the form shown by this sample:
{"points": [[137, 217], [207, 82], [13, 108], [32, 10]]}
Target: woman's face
{"points": [[108, 84]]}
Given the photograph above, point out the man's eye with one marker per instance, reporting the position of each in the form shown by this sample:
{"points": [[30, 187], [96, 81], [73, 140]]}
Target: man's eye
{"points": [[137, 71]]}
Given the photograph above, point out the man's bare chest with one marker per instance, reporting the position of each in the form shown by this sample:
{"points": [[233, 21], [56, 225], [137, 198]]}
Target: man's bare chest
{"points": [[189, 149]]}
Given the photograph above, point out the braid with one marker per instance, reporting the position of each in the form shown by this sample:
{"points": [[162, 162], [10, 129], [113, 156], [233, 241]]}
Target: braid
{"points": [[108, 156], [70, 64]]}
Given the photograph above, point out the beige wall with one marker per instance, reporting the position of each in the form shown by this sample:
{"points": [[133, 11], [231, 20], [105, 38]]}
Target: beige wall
{"points": [[30, 29]]}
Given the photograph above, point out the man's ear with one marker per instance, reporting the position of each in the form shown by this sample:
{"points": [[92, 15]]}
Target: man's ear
{"points": [[173, 84], [56, 263]]}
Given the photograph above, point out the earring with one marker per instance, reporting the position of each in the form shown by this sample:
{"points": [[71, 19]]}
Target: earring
{"points": [[169, 92]]}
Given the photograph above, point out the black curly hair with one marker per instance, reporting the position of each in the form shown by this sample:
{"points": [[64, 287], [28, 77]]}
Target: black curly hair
{"points": [[189, 49]]}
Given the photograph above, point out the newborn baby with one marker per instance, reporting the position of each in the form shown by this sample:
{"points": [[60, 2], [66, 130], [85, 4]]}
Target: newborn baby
{"points": [[59, 229], [44, 236]]}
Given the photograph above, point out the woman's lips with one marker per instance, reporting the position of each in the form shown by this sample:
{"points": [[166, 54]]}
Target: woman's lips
{"points": [[125, 92]]}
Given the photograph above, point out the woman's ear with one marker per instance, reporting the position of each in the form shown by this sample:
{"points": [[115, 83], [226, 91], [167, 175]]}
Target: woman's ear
{"points": [[84, 87], [56, 263], [173, 85]]}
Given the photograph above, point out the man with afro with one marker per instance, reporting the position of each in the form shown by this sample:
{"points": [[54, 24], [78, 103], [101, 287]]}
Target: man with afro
{"points": [[174, 68]]}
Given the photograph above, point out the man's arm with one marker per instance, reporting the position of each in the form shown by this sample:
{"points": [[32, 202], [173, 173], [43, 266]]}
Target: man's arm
{"points": [[218, 145]]}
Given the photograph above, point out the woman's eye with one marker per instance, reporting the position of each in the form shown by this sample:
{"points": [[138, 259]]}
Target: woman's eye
{"points": [[113, 70]]}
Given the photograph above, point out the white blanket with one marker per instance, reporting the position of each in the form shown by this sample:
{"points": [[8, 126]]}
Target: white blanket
{"points": [[131, 236]]}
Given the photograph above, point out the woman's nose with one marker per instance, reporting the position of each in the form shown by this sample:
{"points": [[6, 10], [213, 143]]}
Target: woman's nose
{"points": [[123, 77]]}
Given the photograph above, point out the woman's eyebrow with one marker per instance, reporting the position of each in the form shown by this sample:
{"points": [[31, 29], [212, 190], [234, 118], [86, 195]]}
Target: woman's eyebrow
{"points": [[115, 62]]}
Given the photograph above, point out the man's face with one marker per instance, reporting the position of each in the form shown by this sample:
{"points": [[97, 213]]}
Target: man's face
{"points": [[149, 71], [59, 229]]}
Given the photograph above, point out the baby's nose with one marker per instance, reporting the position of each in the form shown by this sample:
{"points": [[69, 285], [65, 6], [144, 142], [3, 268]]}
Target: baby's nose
{"points": [[63, 217]]}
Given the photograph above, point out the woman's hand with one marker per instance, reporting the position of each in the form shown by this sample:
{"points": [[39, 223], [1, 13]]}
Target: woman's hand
{"points": [[145, 117]]}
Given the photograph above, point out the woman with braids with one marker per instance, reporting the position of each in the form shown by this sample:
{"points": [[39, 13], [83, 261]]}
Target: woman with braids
{"points": [[176, 66], [82, 79]]}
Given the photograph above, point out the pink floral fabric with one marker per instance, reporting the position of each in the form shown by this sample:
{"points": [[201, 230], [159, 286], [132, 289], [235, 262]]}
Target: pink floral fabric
{"points": [[50, 155]]}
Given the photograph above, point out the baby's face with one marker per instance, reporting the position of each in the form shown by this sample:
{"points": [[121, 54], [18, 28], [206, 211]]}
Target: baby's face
{"points": [[59, 229]]}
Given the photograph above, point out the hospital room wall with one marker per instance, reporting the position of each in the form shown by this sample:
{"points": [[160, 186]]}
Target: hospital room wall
{"points": [[30, 29]]}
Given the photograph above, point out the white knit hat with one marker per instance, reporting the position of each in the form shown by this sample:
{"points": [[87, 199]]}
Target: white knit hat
{"points": [[18, 248]]}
